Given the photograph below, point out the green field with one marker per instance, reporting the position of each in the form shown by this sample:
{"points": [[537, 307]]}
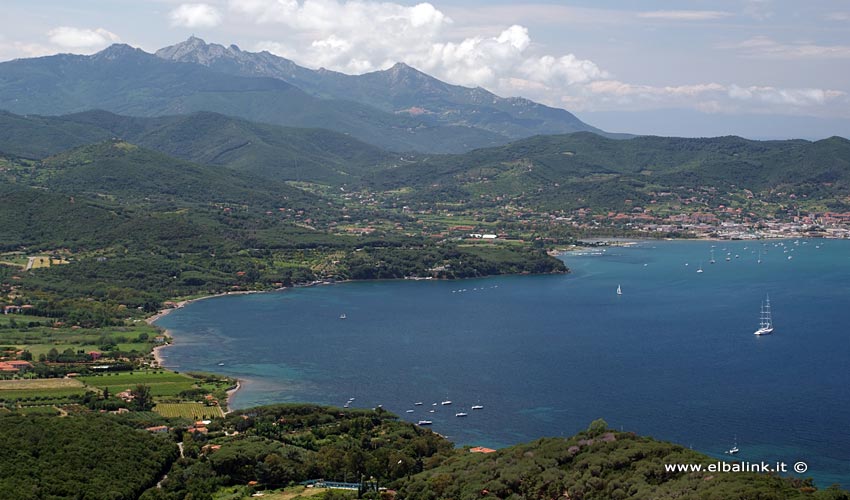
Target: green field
{"points": [[40, 339], [41, 389], [190, 411], [161, 383], [22, 319], [38, 410]]}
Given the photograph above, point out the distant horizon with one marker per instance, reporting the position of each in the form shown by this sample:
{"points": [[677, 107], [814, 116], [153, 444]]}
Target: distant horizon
{"points": [[756, 68]]}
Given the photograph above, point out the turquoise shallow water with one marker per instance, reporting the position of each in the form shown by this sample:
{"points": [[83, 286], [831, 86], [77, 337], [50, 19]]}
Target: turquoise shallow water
{"points": [[673, 357]]}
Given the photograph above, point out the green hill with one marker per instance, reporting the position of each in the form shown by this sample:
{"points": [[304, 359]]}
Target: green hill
{"points": [[129, 173], [271, 447], [254, 149], [269, 151], [596, 464], [587, 170]]}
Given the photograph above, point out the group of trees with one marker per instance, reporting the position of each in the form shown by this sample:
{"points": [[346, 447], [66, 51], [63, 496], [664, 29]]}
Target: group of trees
{"points": [[596, 464], [110, 457], [282, 444], [92, 457]]}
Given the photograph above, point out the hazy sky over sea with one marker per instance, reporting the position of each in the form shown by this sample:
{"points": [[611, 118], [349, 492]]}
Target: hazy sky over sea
{"points": [[760, 68]]}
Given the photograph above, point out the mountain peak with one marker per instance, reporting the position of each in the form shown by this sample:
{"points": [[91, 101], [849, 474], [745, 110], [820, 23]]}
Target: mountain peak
{"points": [[401, 68], [116, 51], [401, 72], [196, 50]]}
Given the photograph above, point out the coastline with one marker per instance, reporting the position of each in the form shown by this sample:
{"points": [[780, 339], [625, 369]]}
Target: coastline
{"points": [[156, 351], [230, 394]]}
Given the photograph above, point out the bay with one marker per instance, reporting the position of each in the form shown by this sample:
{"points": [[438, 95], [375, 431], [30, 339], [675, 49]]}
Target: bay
{"points": [[673, 357]]}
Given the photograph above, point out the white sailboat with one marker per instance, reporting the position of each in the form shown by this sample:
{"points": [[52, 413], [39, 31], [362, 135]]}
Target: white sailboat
{"points": [[619, 290], [765, 319]]}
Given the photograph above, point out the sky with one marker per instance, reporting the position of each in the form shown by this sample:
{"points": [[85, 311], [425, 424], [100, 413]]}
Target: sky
{"points": [[756, 68]]}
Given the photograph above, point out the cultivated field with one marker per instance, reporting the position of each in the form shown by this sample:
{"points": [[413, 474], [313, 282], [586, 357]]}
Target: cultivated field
{"points": [[191, 411], [40, 389], [162, 383], [39, 384]]}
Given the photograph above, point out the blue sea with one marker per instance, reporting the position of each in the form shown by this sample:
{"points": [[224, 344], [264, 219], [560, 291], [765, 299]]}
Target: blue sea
{"points": [[673, 357]]}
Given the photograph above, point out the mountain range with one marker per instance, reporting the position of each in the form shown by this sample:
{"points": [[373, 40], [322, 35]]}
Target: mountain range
{"points": [[400, 89], [400, 109]]}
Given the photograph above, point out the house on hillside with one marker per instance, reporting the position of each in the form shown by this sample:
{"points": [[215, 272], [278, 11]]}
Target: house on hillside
{"points": [[14, 366]]}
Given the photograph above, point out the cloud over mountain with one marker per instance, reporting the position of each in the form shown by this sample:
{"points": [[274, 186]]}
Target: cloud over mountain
{"points": [[363, 36], [195, 15], [81, 38]]}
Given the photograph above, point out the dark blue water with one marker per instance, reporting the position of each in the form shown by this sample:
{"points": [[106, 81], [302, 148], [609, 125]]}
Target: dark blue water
{"points": [[673, 357]]}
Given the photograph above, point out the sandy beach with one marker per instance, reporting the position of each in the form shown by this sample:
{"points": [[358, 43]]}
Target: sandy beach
{"points": [[157, 356], [230, 394]]}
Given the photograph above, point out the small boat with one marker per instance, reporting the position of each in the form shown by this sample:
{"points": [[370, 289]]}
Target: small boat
{"points": [[418, 404], [478, 407], [342, 316], [425, 422], [712, 261], [346, 405], [734, 449], [700, 268], [432, 411], [446, 402], [461, 414], [409, 411], [221, 364], [765, 319], [619, 290]]}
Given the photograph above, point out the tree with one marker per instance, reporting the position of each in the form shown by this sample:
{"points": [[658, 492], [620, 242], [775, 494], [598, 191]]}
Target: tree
{"points": [[597, 427], [142, 398]]}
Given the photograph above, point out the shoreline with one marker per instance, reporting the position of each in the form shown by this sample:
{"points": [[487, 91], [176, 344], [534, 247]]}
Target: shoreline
{"points": [[156, 351], [230, 394]]}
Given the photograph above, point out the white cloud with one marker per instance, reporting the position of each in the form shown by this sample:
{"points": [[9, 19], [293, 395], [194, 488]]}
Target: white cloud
{"points": [[760, 10], [839, 16], [195, 15], [76, 38], [790, 97], [763, 47], [685, 15], [11, 50], [357, 36], [711, 97], [360, 36]]}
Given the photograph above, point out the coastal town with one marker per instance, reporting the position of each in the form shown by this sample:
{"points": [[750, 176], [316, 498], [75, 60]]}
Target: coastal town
{"points": [[680, 216]]}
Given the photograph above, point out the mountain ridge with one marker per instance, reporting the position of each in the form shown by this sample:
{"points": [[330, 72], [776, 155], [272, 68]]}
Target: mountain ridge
{"points": [[399, 89], [129, 81]]}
